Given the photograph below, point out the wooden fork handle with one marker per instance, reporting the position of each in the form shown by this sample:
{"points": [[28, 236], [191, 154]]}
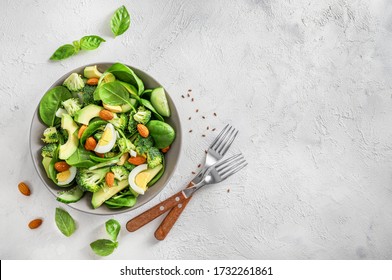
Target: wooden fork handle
{"points": [[154, 212], [171, 218]]}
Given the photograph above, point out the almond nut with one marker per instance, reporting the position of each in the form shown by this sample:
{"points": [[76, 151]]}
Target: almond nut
{"points": [[164, 150], [92, 81], [35, 223], [109, 179], [100, 155], [90, 144], [24, 189], [137, 160], [106, 115], [61, 166], [143, 130], [81, 130]]}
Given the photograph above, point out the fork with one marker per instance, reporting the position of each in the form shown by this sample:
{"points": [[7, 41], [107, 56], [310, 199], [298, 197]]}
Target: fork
{"points": [[214, 174], [215, 152]]}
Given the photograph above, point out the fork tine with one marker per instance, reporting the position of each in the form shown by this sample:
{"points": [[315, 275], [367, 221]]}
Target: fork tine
{"points": [[228, 169], [222, 164], [228, 143], [235, 170], [225, 139], [219, 135], [221, 138]]}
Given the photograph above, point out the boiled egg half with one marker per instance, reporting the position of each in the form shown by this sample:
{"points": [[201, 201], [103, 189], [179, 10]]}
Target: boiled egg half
{"points": [[141, 175], [107, 141], [66, 177]]}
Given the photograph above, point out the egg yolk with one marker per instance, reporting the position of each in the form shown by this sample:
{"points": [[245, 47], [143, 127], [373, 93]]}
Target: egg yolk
{"points": [[142, 179], [62, 176], [106, 137]]}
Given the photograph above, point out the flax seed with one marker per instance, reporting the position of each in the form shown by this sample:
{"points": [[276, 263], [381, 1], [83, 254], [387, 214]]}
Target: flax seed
{"points": [[182, 96], [190, 131], [215, 114], [189, 118], [199, 166], [197, 110], [213, 129]]}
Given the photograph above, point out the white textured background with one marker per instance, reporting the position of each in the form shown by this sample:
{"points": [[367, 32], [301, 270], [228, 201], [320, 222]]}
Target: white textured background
{"points": [[306, 82]]}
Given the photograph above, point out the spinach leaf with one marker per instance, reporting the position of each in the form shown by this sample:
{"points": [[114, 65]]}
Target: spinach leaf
{"points": [[124, 201], [50, 102], [120, 21], [81, 158], [114, 93], [91, 129], [51, 170], [64, 52], [113, 229], [148, 105], [125, 74], [103, 247], [162, 133], [131, 89], [90, 42], [65, 222]]}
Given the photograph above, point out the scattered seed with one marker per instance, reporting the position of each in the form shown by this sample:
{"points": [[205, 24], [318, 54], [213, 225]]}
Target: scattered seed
{"points": [[203, 135], [182, 96], [189, 95], [208, 127], [199, 166], [205, 151], [213, 129], [203, 117], [190, 131], [193, 99], [193, 172], [215, 114], [197, 110], [189, 90], [189, 118], [228, 190]]}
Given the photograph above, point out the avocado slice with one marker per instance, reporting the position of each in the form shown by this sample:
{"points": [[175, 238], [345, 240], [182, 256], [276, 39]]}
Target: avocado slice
{"points": [[159, 101], [66, 150], [92, 72], [45, 164], [105, 193], [84, 115]]}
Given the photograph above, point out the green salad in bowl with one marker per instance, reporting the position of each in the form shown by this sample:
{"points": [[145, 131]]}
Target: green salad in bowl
{"points": [[105, 138]]}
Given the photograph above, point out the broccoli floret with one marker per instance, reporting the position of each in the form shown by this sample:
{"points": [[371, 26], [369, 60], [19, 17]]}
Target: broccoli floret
{"points": [[154, 157], [142, 115], [72, 105], [120, 172], [125, 145], [132, 125], [48, 150], [74, 82], [90, 180], [50, 135], [86, 96], [129, 166], [143, 144], [119, 121]]}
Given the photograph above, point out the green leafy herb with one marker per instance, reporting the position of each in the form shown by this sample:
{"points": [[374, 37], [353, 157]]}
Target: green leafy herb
{"points": [[120, 21], [113, 229], [126, 74], [64, 52], [87, 43], [103, 247], [65, 222], [90, 42]]}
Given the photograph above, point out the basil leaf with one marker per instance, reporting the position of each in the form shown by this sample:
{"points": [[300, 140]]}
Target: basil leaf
{"points": [[114, 93], [103, 247], [113, 229], [90, 42], [120, 21], [64, 222], [63, 52]]}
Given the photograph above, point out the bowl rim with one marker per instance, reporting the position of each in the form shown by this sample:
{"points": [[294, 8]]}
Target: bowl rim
{"points": [[125, 210]]}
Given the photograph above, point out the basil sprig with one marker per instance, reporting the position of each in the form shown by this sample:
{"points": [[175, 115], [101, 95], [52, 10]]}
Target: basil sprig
{"points": [[87, 43], [104, 247], [120, 21]]}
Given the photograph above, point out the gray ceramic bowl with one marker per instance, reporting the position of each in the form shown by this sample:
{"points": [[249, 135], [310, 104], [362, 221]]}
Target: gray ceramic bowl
{"points": [[84, 205]]}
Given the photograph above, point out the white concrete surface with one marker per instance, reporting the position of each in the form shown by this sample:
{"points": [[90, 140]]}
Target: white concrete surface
{"points": [[308, 83]]}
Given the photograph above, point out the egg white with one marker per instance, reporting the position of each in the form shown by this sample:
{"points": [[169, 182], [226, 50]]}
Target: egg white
{"points": [[132, 176]]}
